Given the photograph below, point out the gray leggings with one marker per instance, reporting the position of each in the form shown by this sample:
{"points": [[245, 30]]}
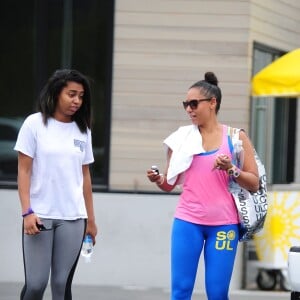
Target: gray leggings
{"points": [[56, 249]]}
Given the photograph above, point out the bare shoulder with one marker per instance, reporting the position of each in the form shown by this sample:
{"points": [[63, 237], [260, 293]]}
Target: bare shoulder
{"points": [[244, 137]]}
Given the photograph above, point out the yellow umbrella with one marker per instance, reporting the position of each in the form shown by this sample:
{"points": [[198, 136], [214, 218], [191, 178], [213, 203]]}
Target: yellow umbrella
{"points": [[281, 78]]}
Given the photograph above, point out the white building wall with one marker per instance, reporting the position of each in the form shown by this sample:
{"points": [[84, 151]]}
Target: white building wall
{"points": [[275, 23], [161, 48]]}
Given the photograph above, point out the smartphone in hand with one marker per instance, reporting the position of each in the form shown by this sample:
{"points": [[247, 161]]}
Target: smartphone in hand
{"points": [[155, 170], [41, 227]]}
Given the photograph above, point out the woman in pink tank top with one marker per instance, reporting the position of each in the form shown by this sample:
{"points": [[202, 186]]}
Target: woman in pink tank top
{"points": [[199, 158]]}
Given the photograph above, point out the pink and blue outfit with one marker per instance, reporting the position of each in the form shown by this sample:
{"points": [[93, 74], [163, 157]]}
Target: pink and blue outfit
{"points": [[205, 219]]}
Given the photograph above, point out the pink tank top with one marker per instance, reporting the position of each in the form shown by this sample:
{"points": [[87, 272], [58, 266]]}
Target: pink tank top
{"points": [[205, 198]]}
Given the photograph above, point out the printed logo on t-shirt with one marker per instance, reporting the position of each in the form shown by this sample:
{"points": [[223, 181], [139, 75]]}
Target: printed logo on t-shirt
{"points": [[79, 144], [224, 239]]}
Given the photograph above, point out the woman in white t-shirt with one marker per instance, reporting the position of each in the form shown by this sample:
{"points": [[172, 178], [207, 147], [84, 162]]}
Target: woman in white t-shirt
{"points": [[54, 152]]}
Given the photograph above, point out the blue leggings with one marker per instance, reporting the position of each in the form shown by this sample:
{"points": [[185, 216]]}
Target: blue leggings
{"points": [[220, 244]]}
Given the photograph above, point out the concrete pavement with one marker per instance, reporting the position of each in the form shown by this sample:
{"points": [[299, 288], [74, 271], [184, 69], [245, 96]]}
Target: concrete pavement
{"points": [[11, 291]]}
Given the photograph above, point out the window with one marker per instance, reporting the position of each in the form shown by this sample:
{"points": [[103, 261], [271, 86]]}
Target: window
{"points": [[40, 37], [273, 125]]}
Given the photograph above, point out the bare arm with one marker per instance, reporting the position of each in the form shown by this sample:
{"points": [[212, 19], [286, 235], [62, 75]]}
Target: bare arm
{"points": [[24, 176], [248, 178], [88, 198], [161, 179]]}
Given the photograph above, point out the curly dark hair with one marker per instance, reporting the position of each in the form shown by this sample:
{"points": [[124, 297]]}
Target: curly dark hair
{"points": [[209, 88], [49, 96]]}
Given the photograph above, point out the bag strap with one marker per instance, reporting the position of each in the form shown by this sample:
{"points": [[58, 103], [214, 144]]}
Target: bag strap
{"points": [[233, 140], [233, 136]]}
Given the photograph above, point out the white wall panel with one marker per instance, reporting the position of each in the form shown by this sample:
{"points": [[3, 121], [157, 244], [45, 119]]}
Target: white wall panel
{"points": [[162, 47]]}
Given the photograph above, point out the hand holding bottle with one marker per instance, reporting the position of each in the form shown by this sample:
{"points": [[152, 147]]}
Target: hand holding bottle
{"points": [[87, 248]]}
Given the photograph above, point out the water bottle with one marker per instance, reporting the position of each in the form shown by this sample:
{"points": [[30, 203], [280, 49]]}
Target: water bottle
{"points": [[87, 248]]}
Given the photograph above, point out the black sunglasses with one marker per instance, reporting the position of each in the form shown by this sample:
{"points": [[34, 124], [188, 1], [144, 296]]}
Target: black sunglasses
{"points": [[193, 103]]}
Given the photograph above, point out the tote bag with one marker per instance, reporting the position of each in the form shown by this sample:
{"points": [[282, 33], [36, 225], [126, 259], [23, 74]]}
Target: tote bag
{"points": [[252, 207]]}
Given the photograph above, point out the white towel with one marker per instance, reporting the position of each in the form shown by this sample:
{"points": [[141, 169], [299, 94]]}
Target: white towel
{"points": [[185, 142]]}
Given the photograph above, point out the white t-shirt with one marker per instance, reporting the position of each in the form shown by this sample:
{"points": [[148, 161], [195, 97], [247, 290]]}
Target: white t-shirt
{"points": [[58, 150]]}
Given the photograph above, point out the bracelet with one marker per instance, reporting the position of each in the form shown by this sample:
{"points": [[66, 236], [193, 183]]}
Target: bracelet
{"points": [[28, 212], [161, 180]]}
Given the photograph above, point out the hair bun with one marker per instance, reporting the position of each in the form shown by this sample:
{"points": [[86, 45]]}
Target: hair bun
{"points": [[211, 78]]}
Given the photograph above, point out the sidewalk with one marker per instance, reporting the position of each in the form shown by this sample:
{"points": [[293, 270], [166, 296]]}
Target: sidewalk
{"points": [[11, 291]]}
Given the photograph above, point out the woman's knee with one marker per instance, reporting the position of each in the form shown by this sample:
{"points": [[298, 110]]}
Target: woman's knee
{"points": [[182, 290], [58, 283], [217, 293], [33, 290]]}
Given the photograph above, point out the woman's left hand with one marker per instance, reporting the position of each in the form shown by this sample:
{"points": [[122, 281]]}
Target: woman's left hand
{"points": [[91, 229], [222, 162]]}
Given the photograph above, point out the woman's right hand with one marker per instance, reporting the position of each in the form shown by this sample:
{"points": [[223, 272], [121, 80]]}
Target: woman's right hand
{"points": [[153, 176]]}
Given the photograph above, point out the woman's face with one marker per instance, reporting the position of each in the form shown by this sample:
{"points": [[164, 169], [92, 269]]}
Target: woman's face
{"points": [[200, 108], [69, 101]]}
